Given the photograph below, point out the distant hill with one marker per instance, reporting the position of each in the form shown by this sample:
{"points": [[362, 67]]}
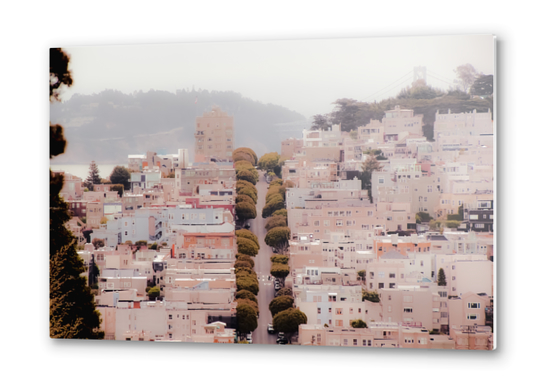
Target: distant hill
{"points": [[351, 113], [108, 126]]}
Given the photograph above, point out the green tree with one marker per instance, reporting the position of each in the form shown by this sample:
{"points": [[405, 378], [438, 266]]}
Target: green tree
{"points": [[288, 321], [247, 175], [242, 264], [370, 296], [285, 291], [247, 258], [369, 166], [120, 175], [272, 192], [240, 184], [248, 235], [243, 198], [279, 270], [275, 221], [244, 153], [117, 187], [246, 166], [281, 212], [245, 211], [278, 238], [466, 76], [247, 318], [280, 303], [72, 309], [154, 292], [245, 272], [320, 122], [248, 193], [93, 177], [248, 283], [280, 259], [247, 246], [98, 243], [269, 161], [274, 204], [362, 274], [251, 303], [247, 295], [276, 182], [358, 324], [423, 217], [441, 280]]}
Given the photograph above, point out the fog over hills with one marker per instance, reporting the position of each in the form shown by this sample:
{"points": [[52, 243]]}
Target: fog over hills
{"points": [[108, 126]]}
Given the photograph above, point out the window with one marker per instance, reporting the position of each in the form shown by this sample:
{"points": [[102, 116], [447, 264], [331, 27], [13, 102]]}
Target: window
{"points": [[407, 310], [472, 316], [392, 275], [380, 285], [474, 305], [355, 342]]}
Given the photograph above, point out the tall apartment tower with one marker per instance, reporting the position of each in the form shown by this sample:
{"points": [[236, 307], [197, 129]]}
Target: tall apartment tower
{"points": [[214, 136]]}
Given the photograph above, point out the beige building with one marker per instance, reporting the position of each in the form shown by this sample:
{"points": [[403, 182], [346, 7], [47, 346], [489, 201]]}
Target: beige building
{"points": [[214, 136]]}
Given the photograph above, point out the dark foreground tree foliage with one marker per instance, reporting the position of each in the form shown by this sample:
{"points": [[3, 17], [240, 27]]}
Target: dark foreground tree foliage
{"points": [[72, 310], [120, 175]]}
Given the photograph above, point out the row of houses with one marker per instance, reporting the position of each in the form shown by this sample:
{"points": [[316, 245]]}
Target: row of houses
{"points": [[160, 256], [360, 252]]}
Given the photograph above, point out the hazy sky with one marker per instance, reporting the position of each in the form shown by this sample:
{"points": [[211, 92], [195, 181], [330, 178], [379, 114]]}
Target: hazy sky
{"points": [[302, 75]]}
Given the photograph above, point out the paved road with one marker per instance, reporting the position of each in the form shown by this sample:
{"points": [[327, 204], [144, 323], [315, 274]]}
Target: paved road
{"points": [[262, 267]]}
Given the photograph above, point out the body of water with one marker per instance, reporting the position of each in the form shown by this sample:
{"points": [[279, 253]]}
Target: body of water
{"points": [[82, 170]]}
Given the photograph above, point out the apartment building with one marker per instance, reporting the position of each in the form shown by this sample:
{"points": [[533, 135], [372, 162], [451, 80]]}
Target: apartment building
{"points": [[291, 147], [214, 136], [400, 120], [188, 180], [164, 164]]}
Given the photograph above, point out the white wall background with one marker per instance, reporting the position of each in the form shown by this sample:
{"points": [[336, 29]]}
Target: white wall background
{"points": [[28, 30]]}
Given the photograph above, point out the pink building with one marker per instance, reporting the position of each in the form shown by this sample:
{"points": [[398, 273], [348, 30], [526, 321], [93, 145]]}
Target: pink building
{"points": [[291, 147], [399, 120], [214, 136]]}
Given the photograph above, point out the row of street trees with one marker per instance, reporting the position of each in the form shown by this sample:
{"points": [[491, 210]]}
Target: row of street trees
{"points": [[248, 245], [286, 318], [278, 233], [247, 176]]}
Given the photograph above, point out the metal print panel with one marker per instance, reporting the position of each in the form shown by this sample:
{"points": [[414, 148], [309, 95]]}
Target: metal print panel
{"points": [[301, 192]]}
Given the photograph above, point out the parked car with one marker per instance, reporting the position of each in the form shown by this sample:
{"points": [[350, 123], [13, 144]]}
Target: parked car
{"points": [[270, 328], [277, 286], [249, 338], [281, 339], [247, 226]]}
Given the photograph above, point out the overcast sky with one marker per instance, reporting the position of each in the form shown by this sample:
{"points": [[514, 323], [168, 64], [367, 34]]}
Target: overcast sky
{"points": [[302, 75]]}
